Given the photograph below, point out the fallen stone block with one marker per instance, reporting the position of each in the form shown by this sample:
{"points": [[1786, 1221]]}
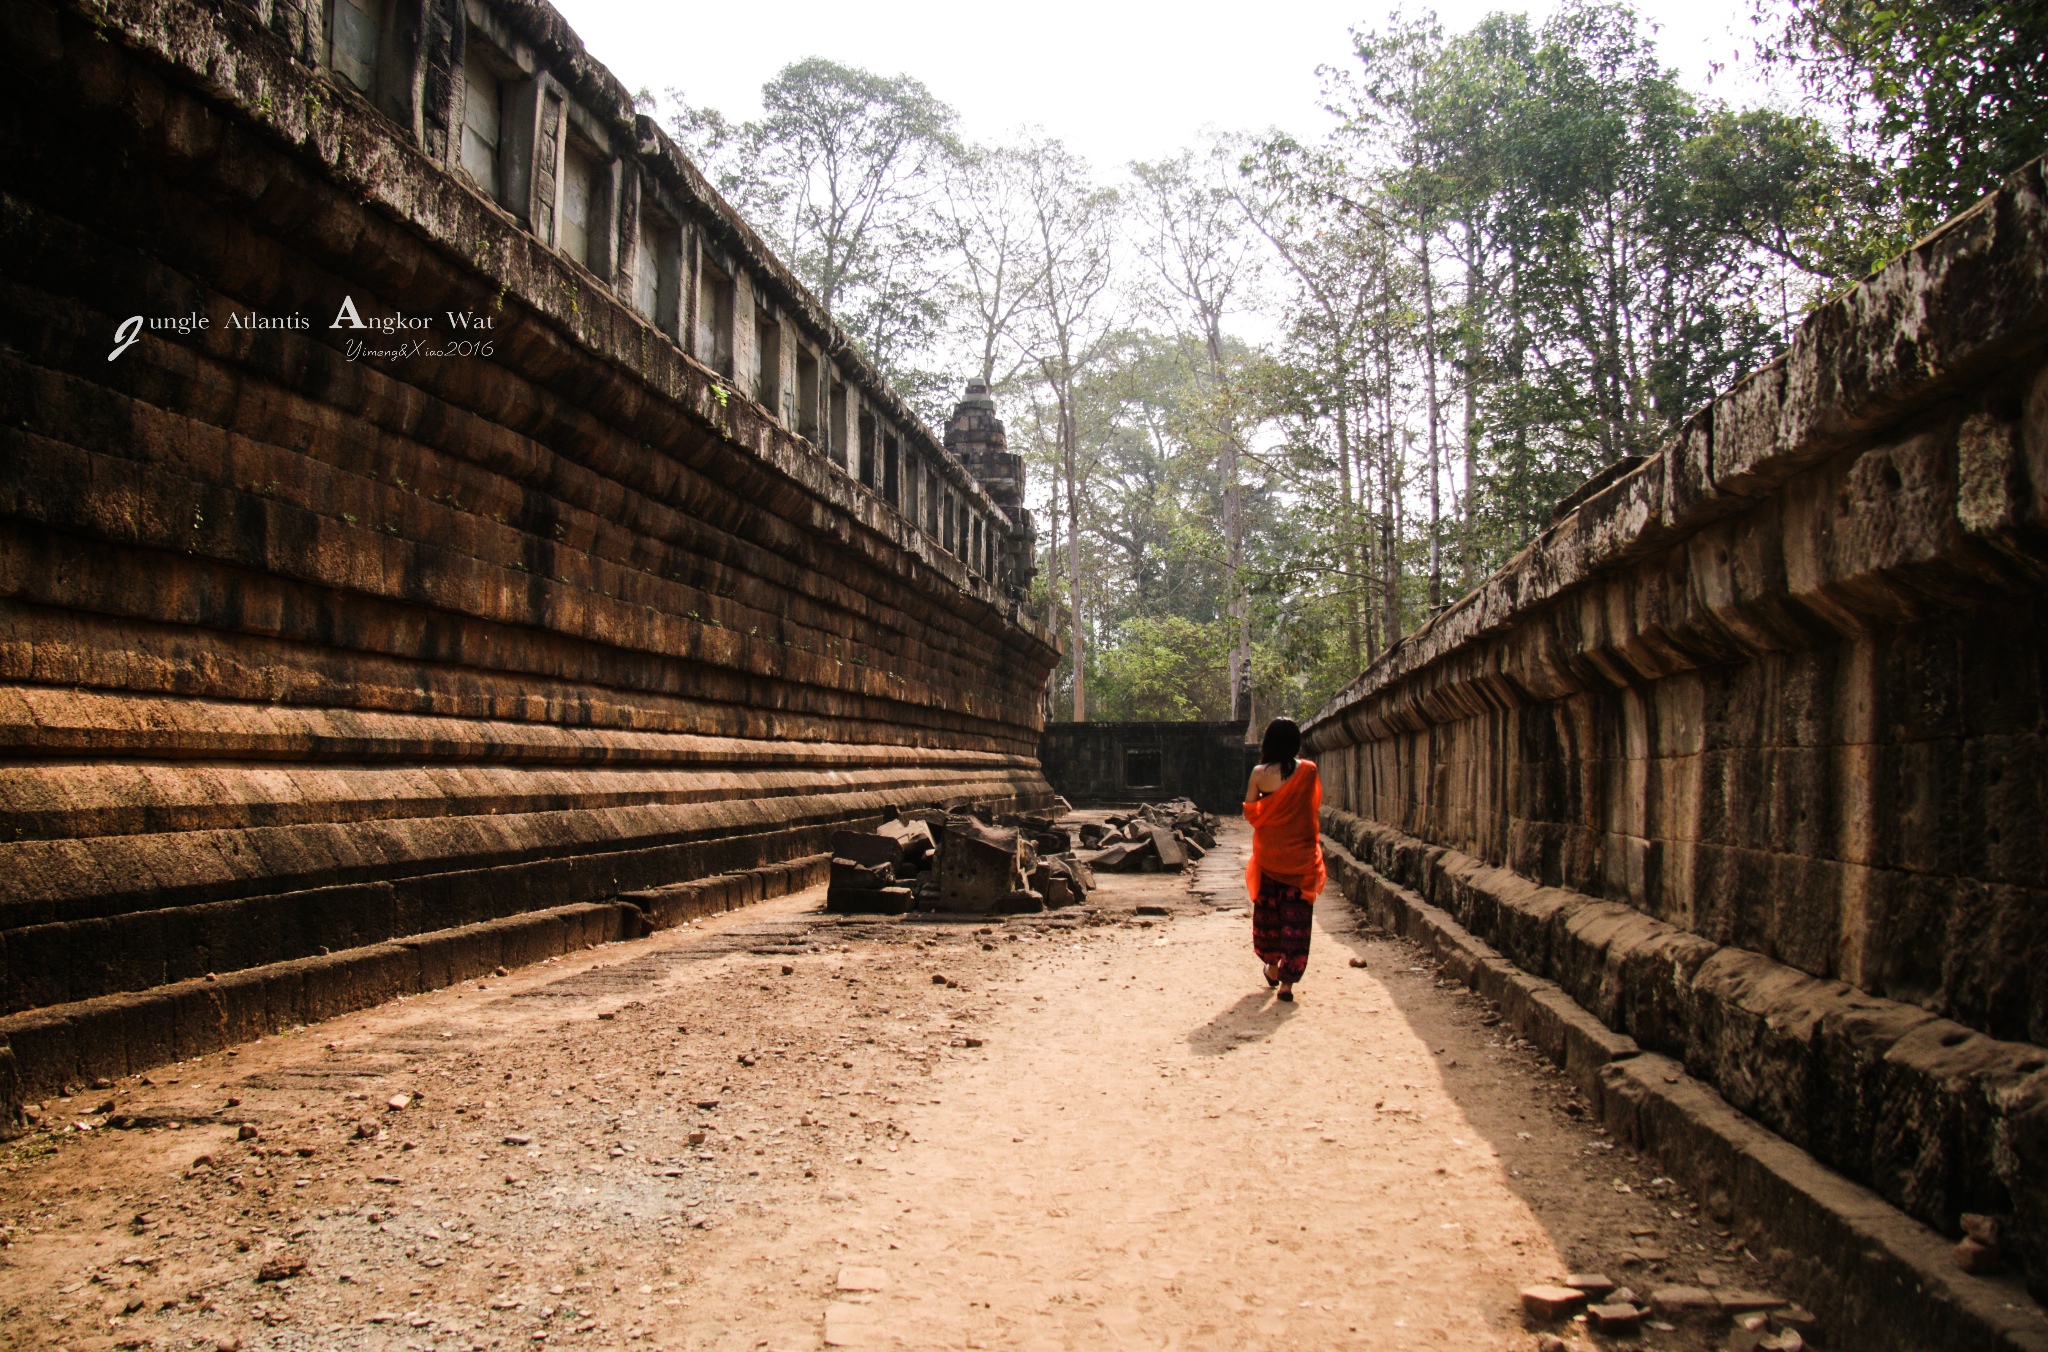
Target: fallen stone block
{"points": [[1685, 1302], [1173, 857], [1747, 1302], [1548, 1304], [1616, 1321], [1111, 859], [914, 838], [980, 866], [849, 875], [874, 901], [867, 848]]}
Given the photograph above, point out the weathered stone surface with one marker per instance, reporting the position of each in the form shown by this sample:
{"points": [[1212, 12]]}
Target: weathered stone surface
{"points": [[868, 850], [1117, 764], [1548, 1303], [1747, 752], [981, 867], [305, 648]]}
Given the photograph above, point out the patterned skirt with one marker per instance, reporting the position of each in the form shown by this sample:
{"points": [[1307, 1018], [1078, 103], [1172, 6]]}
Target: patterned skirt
{"points": [[1283, 920]]}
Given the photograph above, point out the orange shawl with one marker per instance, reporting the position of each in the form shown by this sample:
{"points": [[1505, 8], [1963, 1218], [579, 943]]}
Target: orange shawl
{"points": [[1287, 833]]}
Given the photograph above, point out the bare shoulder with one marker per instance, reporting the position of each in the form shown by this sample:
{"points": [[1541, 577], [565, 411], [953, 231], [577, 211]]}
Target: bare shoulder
{"points": [[1265, 779]]}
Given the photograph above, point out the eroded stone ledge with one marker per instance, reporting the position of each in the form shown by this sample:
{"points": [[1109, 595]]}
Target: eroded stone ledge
{"points": [[1934, 1117]]}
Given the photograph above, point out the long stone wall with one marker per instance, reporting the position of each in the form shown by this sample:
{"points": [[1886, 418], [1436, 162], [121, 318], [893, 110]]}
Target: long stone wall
{"points": [[309, 639], [1749, 750]]}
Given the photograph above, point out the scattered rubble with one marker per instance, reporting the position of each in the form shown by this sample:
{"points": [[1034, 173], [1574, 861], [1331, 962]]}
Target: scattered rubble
{"points": [[1158, 837], [964, 861]]}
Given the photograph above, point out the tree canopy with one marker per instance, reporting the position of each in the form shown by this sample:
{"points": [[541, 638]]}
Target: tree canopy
{"points": [[1284, 396]]}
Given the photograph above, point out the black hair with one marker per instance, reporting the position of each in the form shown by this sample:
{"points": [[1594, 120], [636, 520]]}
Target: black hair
{"points": [[1281, 744]]}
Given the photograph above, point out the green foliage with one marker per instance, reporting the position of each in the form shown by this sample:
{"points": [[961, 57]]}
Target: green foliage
{"points": [[1948, 95], [843, 169], [1163, 667], [1520, 253]]}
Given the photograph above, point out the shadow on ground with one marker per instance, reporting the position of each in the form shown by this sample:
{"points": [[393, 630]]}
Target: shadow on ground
{"points": [[1252, 1018]]}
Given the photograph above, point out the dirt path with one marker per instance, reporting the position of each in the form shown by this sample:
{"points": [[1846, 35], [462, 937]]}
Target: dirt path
{"points": [[1100, 1134]]}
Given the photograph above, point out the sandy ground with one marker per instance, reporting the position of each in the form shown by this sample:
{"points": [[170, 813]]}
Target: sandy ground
{"points": [[789, 1130]]}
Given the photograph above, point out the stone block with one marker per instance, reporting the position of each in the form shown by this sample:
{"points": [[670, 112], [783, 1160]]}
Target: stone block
{"points": [[1615, 1321], [980, 866], [1172, 857], [868, 850], [890, 900], [849, 875], [1547, 1304]]}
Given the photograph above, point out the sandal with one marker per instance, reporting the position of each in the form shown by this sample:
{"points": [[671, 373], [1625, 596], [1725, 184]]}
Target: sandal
{"points": [[1288, 996]]}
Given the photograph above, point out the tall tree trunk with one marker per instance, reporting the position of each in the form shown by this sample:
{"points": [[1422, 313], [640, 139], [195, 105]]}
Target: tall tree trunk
{"points": [[1475, 320], [1390, 474], [1436, 553], [1348, 550], [1052, 567], [1068, 428], [1233, 530]]}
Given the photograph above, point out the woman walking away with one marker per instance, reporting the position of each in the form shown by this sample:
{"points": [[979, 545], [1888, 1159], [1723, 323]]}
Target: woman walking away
{"points": [[1284, 804]]}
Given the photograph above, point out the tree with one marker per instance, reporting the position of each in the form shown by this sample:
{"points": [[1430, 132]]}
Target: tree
{"points": [[992, 230], [1201, 252], [1946, 96], [1069, 324], [843, 170]]}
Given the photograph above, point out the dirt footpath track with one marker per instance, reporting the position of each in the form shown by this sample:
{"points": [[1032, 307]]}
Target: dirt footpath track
{"points": [[785, 1130]]}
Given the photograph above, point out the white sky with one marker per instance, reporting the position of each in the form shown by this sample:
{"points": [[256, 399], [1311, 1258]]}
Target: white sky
{"points": [[1115, 80]]}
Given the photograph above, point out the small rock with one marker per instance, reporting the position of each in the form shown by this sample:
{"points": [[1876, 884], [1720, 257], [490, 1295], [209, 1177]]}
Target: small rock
{"points": [[1594, 1284], [515, 1139], [1984, 1229], [398, 1102], [366, 1130], [1550, 1342], [1742, 1302], [608, 1015], [1679, 1301], [696, 1138], [246, 1132], [1973, 1255], [227, 1342], [1551, 1303], [788, 970], [938, 980], [1788, 1341], [862, 1279], [280, 1266], [1796, 1317], [1623, 1295], [1617, 1321], [1360, 962], [499, 971]]}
